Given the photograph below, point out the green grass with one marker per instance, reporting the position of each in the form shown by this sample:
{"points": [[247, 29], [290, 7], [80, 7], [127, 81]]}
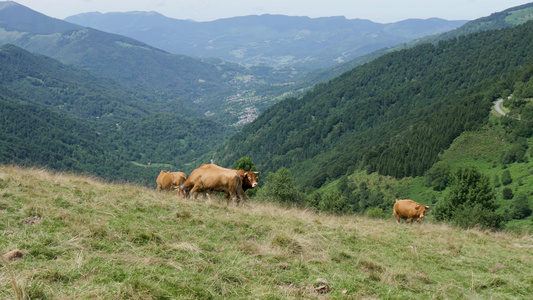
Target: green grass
{"points": [[104, 241], [520, 17]]}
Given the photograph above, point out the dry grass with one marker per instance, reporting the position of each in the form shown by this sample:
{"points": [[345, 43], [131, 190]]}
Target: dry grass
{"points": [[86, 239]]}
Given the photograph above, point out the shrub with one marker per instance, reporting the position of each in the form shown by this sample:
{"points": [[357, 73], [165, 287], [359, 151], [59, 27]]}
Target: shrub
{"points": [[497, 182], [507, 193], [438, 177], [334, 202], [375, 213], [506, 177], [471, 201], [520, 208], [279, 187]]}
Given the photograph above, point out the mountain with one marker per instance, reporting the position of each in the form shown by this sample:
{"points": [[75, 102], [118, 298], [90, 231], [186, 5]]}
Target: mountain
{"points": [[393, 115], [508, 18], [272, 40], [69, 119], [201, 86]]}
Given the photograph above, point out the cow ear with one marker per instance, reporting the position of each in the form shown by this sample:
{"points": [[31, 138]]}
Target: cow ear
{"points": [[417, 207]]}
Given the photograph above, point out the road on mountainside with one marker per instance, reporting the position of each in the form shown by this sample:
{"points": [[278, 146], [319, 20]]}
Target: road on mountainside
{"points": [[498, 108]]}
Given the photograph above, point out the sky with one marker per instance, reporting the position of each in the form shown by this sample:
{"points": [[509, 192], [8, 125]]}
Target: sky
{"points": [[381, 11]]}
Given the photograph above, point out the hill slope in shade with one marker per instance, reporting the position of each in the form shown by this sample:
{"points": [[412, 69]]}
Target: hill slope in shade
{"points": [[83, 238]]}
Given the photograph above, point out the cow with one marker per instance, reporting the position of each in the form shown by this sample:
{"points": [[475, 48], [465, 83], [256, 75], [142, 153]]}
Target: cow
{"points": [[409, 209], [210, 177], [249, 179], [169, 180]]}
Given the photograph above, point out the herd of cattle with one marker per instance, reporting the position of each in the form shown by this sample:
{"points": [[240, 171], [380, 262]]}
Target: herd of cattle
{"points": [[210, 178]]}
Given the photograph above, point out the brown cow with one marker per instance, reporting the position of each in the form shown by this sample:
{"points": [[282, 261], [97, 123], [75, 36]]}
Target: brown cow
{"points": [[211, 177], [249, 179], [409, 209], [170, 180]]}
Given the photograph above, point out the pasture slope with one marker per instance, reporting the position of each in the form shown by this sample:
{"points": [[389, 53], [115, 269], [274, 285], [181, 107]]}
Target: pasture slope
{"points": [[83, 238]]}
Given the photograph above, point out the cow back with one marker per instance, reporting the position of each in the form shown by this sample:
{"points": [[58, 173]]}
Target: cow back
{"points": [[409, 209]]}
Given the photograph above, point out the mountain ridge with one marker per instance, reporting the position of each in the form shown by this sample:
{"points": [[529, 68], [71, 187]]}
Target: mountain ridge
{"points": [[265, 39]]}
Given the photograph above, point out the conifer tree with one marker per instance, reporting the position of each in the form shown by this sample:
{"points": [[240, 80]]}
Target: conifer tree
{"points": [[471, 202]]}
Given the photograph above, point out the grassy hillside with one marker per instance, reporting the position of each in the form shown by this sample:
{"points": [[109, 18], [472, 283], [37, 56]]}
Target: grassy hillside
{"points": [[82, 238]]}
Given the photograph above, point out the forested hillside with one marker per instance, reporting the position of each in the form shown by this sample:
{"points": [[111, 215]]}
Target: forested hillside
{"points": [[393, 115], [69, 119], [508, 18]]}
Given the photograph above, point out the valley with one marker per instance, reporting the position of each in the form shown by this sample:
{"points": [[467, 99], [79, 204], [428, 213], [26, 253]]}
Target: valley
{"points": [[80, 99]]}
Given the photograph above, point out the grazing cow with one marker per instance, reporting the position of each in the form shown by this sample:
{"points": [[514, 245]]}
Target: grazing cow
{"points": [[249, 179], [169, 180], [409, 209], [210, 177]]}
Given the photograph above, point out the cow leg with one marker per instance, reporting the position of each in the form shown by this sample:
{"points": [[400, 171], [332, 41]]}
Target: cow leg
{"points": [[194, 192], [208, 195], [397, 217], [233, 197]]}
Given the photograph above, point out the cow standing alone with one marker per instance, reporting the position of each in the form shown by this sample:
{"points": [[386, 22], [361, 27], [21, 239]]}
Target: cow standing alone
{"points": [[409, 209], [169, 180]]}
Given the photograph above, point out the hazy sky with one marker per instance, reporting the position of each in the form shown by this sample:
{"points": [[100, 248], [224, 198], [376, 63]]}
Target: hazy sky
{"points": [[382, 11]]}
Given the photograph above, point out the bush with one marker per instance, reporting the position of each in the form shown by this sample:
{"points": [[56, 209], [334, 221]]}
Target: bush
{"points": [[376, 213], [334, 202], [506, 177], [438, 177], [497, 182], [245, 163], [520, 208], [507, 193], [471, 201], [279, 188]]}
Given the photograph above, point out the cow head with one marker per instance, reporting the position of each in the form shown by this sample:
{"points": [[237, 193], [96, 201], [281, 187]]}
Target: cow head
{"points": [[183, 191], [421, 210], [250, 179]]}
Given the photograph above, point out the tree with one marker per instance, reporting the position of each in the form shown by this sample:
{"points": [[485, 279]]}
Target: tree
{"points": [[279, 187], [471, 201], [520, 208], [497, 182], [245, 163], [507, 193], [506, 177], [438, 177]]}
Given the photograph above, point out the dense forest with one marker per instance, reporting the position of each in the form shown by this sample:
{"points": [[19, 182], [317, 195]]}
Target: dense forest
{"points": [[393, 115], [66, 118]]}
